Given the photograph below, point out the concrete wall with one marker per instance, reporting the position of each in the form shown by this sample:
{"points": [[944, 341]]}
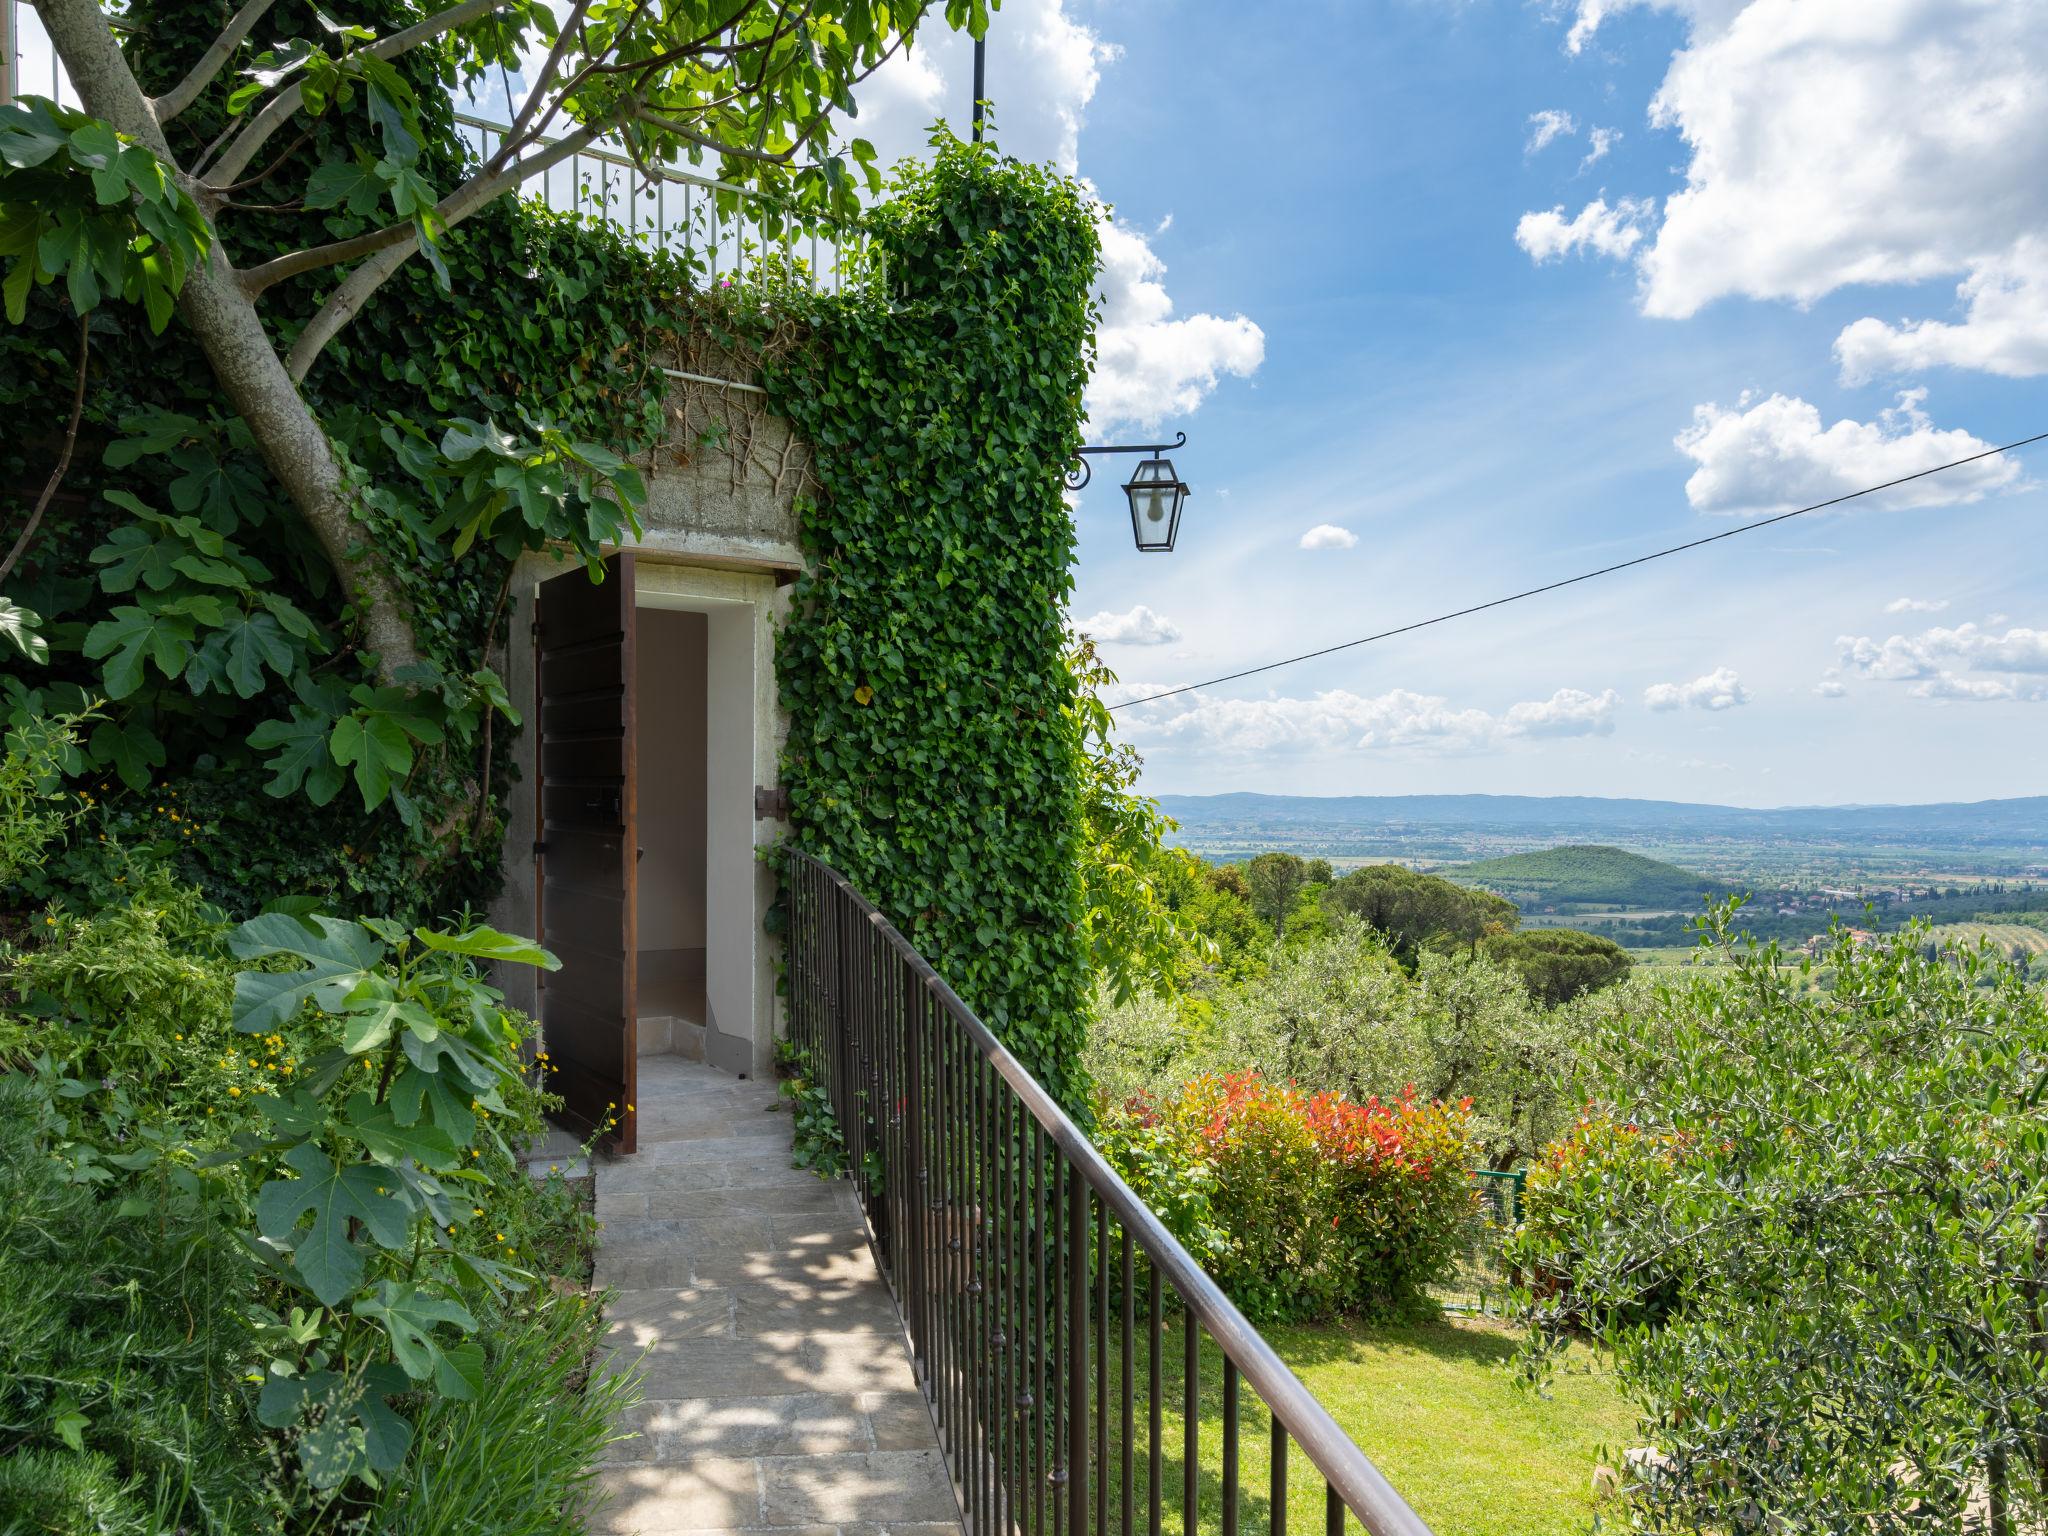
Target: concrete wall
{"points": [[670, 715]]}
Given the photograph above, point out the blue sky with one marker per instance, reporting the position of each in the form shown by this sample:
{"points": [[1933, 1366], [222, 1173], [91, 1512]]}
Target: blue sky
{"points": [[1351, 180]]}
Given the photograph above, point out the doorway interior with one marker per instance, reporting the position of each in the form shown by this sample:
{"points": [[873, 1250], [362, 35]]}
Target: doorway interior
{"points": [[654, 721]]}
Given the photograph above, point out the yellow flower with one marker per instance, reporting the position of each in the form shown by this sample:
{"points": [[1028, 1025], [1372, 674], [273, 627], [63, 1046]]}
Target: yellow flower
{"points": [[501, 1237], [234, 1093], [478, 1211], [629, 1109]]}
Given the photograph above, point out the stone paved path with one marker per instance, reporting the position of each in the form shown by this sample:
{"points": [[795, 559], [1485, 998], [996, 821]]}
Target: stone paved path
{"points": [[777, 1389]]}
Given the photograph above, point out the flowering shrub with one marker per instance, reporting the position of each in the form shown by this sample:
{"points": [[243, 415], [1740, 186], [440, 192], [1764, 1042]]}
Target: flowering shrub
{"points": [[1301, 1205], [1613, 1163]]}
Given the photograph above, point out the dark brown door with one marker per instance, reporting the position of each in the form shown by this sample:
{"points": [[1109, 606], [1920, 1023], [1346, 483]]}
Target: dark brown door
{"points": [[589, 843]]}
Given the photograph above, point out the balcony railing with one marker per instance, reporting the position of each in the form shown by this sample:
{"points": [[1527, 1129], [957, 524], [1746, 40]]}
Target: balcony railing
{"points": [[1011, 1246], [723, 231]]}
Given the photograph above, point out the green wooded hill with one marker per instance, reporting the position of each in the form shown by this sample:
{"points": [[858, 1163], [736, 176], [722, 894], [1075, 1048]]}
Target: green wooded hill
{"points": [[1585, 875]]}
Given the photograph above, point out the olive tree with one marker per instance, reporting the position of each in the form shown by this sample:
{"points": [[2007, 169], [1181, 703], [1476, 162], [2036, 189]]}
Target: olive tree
{"points": [[1807, 1210]]}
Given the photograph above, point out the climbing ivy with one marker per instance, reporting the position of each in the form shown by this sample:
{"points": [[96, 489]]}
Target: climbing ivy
{"points": [[934, 754]]}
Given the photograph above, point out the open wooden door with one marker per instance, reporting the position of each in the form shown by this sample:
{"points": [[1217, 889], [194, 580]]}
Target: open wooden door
{"points": [[588, 844]]}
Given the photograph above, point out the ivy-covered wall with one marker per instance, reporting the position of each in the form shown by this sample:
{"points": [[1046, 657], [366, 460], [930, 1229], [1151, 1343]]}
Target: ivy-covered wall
{"points": [[934, 753]]}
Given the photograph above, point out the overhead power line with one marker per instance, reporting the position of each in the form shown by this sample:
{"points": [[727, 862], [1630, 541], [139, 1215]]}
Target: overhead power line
{"points": [[1571, 581]]}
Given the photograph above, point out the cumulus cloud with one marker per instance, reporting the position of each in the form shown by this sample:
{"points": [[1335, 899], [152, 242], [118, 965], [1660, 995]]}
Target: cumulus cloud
{"points": [[1927, 655], [1772, 455], [1141, 626], [1719, 689], [1968, 690], [1567, 712], [1831, 685], [1835, 143], [1151, 363], [1329, 536], [1546, 128], [1615, 231], [1340, 720], [2004, 329], [1599, 142], [1916, 605]]}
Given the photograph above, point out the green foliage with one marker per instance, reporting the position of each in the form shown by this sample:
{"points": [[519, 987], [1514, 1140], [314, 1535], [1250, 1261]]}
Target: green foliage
{"points": [[1559, 964], [1415, 910], [817, 1143], [78, 201], [1340, 1013], [1300, 1205], [935, 756], [121, 1349], [34, 808], [1589, 876], [172, 580], [1134, 943], [1273, 881], [1815, 1240], [518, 1458]]}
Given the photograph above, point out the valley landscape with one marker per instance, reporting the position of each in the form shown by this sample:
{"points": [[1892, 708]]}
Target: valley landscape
{"points": [[1641, 871]]}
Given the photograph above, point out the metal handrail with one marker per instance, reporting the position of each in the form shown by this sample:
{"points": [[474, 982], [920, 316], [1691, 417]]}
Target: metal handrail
{"points": [[856, 1024]]}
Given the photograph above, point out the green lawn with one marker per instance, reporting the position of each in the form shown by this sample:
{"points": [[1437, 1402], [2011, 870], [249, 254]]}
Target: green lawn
{"points": [[1436, 1407]]}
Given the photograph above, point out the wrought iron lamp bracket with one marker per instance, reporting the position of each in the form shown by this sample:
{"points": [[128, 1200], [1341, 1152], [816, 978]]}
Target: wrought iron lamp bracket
{"points": [[1081, 472]]}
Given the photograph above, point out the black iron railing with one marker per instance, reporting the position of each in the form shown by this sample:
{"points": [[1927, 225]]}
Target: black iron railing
{"points": [[1034, 1286]]}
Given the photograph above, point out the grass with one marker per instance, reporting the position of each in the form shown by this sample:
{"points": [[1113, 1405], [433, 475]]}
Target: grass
{"points": [[1435, 1405]]}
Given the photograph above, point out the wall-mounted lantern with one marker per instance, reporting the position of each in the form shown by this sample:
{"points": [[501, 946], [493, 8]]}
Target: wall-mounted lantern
{"points": [[1155, 491]]}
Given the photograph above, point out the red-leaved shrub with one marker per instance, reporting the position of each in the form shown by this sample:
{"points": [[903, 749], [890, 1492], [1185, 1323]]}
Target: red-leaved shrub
{"points": [[1312, 1204]]}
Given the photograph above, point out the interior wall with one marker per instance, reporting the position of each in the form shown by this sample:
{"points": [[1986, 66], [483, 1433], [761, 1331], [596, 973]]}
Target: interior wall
{"points": [[732, 923], [670, 719]]}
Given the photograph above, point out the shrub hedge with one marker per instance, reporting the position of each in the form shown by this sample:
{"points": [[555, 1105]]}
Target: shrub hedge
{"points": [[1301, 1205]]}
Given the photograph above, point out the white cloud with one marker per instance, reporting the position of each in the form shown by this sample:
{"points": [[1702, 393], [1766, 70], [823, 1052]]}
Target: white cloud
{"points": [[1615, 231], [1916, 605], [1969, 690], [2004, 329], [1141, 626], [1842, 142], [1340, 720], [1567, 712], [1546, 127], [1831, 685], [1329, 536], [1773, 455], [1719, 689], [1932, 652], [1600, 141], [1149, 365]]}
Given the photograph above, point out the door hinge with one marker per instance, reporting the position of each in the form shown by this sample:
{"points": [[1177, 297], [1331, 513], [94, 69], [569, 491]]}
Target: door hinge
{"points": [[539, 849], [771, 804]]}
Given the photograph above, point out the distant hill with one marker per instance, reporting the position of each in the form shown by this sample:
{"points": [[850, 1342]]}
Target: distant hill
{"points": [[1586, 875], [2005, 821]]}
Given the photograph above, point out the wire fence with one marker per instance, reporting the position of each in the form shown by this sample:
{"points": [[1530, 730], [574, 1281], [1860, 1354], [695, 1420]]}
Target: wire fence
{"points": [[1479, 1280]]}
